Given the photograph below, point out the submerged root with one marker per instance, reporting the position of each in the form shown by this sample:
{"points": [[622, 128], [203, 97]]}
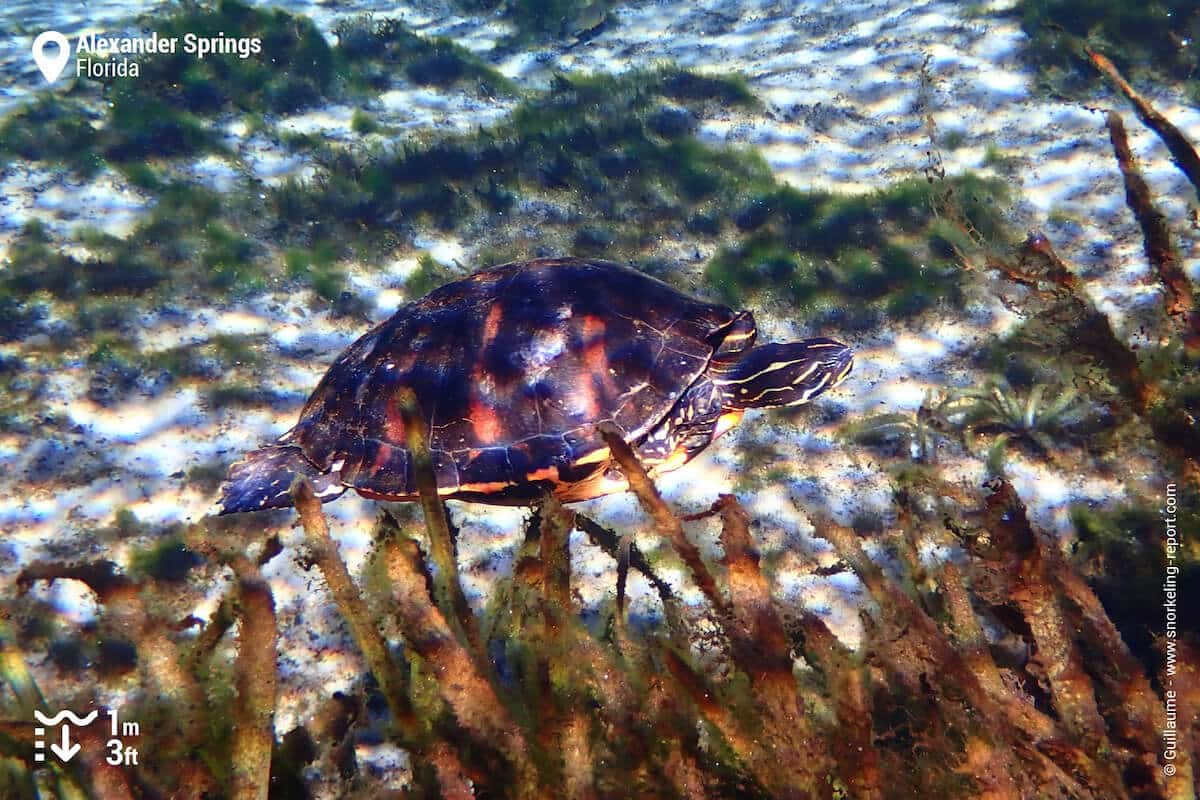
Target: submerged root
{"points": [[773, 706]]}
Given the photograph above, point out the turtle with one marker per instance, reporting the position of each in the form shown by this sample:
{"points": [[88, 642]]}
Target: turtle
{"points": [[514, 368]]}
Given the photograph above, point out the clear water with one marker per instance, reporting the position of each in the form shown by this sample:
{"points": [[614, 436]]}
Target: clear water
{"points": [[184, 253]]}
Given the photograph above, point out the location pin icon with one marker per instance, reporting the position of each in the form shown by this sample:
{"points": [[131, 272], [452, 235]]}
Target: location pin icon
{"points": [[51, 66]]}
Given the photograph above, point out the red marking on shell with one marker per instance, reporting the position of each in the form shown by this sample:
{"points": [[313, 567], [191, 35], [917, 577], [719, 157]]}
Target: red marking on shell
{"points": [[486, 421], [479, 375], [594, 457], [484, 488], [584, 401], [593, 331], [382, 456], [370, 495], [491, 325], [677, 458], [549, 473], [393, 424], [595, 358]]}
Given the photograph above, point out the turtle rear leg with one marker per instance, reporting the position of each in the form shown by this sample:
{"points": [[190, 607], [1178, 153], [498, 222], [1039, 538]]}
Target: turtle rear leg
{"points": [[263, 479]]}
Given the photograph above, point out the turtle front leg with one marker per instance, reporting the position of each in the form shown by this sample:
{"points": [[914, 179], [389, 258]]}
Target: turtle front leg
{"points": [[696, 420]]}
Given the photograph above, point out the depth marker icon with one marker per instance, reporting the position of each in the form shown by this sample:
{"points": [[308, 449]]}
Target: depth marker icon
{"points": [[65, 750]]}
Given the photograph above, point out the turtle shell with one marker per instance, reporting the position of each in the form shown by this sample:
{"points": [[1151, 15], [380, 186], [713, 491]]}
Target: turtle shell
{"points": [[513, 368]]}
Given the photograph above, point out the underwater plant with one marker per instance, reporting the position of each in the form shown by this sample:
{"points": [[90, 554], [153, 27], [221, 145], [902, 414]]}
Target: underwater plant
{"points": [[526, 700], [1157, 41], [919, 434], [370, 47], [545, 19], [996, 407]]}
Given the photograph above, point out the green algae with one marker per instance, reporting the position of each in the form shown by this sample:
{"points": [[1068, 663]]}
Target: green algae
{"points": [[1153, 41], [318, 267], [816, 249], [599, 137], [363, 123], [118, 367], [1120, 550], [53, 129], [428, 275], [171, 108], [563, 140], [138, 125], [21, 402], [207, 476], [953, 139], [167, 559], [181, 245], [539, 20], [233, 394], [296, 68], [369, 48], [587, 134]]}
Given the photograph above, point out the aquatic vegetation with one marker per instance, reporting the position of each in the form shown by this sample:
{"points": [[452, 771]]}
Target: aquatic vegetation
{"points": [[1000, 160], [139, 124], [953, 139], [143, 124], [299, 68], [53, 129], [118, 369], [995, 672], [1158, 241], [235, 393], [528, 700], [918, 436], [161, 112], [363, 123], [168, 110], [582, 136], [21, 390], [1035, 417], [167, 560], [1160, 40], [809, 248], [428, 275], [544, 19], [1063, 322], [1158, 403], [367, 44], [207, 476], [181, 240], [317, 265], [1120, 550]]}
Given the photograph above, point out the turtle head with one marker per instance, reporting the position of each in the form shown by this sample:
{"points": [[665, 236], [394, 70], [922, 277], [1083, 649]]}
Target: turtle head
{"points": [[784, 374]]}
